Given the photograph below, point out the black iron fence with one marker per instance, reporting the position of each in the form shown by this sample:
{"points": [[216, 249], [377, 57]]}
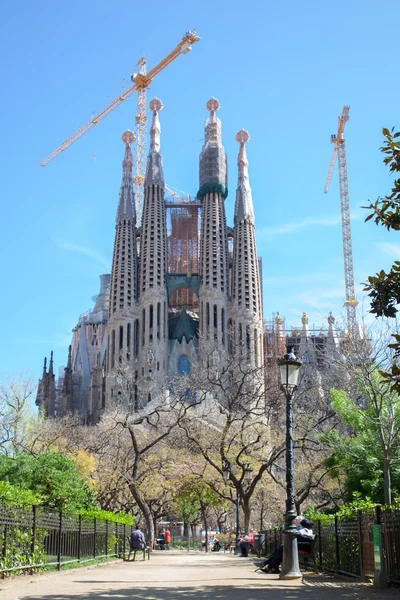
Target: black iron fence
{"points": [[36, 537], [345, 545]]}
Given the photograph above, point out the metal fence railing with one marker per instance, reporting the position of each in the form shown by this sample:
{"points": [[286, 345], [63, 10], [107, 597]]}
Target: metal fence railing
{"points": [[36, 537], [345, 545]]}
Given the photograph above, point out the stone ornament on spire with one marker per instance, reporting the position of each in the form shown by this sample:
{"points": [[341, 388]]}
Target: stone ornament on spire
{"points": [[126, 194], [155, 130], [213, 170], [244, 201], [128, 137], [154, 171]]}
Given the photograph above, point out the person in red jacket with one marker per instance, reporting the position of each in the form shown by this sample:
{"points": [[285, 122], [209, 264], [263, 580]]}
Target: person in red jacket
{"points": [[167, 538]]}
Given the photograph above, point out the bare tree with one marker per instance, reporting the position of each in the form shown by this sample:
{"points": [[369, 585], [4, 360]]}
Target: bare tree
{"points": [[16, 412]]}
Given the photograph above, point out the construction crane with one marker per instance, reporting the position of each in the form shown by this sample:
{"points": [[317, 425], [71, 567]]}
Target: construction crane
{"points": [[141, 82], [339, 152]]}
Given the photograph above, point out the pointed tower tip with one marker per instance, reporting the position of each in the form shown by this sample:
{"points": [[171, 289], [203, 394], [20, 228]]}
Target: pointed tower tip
{"points": [[154, 171], [242, 136], [128, 137], [213, 105], [156, 105]]}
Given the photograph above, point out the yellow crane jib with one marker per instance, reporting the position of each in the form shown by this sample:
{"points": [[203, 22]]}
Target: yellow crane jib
{"points": [[141, 81]]}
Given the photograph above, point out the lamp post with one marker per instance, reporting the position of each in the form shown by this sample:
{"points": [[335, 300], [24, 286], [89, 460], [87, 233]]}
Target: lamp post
{"points": [[226, 474], [289, 367]]}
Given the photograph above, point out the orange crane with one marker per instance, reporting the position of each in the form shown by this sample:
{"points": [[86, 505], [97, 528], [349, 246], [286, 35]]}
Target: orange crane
{"points": [[141, 82], [339, 152]]}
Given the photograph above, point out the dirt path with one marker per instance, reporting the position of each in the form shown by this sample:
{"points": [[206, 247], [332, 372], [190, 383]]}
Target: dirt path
{"points": [[173, 576]]}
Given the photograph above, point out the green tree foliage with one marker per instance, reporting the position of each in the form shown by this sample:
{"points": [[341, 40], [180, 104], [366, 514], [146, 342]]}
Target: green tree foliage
{"points": [[51, 476], [384, 288], [366, 444]]}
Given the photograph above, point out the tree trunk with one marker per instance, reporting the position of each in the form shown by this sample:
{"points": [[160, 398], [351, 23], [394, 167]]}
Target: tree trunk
{"points": [[387, 479], [204, 515], [247, 516], [146, 512]]}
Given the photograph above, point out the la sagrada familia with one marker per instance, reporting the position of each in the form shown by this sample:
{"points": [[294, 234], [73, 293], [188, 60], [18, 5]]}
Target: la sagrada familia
{"points": [[184, 286]]}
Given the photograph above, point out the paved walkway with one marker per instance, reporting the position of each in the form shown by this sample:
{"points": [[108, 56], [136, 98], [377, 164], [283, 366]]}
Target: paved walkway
{"points": [[173, 576]]}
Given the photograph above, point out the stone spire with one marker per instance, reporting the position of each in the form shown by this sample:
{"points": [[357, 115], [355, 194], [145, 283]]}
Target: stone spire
{"points": [[154, 171], [123, 286], [153, 298], [51, 369], [244, 202], [246, 285], [213, 167], [126, 204], [213, 264], [332, 337], [306, 351]]}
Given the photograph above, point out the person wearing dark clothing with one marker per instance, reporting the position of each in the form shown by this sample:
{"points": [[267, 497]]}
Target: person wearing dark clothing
{"points": [[304, 536], [216, 546], [136, 540]]}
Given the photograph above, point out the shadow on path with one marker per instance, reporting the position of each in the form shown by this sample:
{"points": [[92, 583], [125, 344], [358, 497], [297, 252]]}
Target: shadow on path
{"points": [[257, 591]]}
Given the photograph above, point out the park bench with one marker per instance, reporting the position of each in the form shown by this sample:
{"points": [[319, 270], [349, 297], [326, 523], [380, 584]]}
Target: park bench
{"points": [[229, 547], [145, 551], [308, 556]]}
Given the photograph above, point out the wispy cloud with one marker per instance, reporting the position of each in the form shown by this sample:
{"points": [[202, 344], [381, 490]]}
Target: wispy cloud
{"points": [[89, 252], [296, 279], [323, 221], [392, 250]]}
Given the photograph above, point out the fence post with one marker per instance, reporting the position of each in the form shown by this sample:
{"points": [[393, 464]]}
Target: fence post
{"points": [[59, 541], [79, 536], [94, 537], [360, 543], [337, 544], [320, 544], [124, 540], [106, 537], [116, 548], [4, 549], [33, 533]]}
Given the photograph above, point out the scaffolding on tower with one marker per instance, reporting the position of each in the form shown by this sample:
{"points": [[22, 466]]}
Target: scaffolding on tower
{"points": [[183, 218]]}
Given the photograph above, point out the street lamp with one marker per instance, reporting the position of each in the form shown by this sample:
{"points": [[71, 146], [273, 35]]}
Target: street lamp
{"points": [[248, 474], [289, 367]]}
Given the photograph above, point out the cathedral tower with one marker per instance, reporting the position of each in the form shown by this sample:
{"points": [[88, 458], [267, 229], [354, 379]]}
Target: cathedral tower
{"points": [[213, 264], [123, 285], [247, 324], [153, 313]]}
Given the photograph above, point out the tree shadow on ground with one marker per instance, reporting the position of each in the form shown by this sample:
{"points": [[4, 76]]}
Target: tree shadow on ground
{"points": [[255, 591]]}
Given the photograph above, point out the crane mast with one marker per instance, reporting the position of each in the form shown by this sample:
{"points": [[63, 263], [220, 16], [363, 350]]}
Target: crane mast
{"points": [[141, 82], [339, 152]]}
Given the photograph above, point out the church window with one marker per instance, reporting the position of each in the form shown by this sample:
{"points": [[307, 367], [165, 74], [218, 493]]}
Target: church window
{"points": [[248, 341], [158, 319], [112, 348], [128, 339], [223, 325], [151, 310], [143, 325], [121, 337]]}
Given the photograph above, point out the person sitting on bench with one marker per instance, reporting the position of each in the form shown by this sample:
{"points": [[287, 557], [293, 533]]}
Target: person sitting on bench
{"points": [[137, 541], [304, 536]]}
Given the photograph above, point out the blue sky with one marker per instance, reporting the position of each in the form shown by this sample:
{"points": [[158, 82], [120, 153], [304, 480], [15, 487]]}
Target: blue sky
{"points": [[281, 71]]}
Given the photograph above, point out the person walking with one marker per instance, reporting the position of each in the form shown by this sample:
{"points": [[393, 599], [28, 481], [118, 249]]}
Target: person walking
{"points": [[167, 538]]}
